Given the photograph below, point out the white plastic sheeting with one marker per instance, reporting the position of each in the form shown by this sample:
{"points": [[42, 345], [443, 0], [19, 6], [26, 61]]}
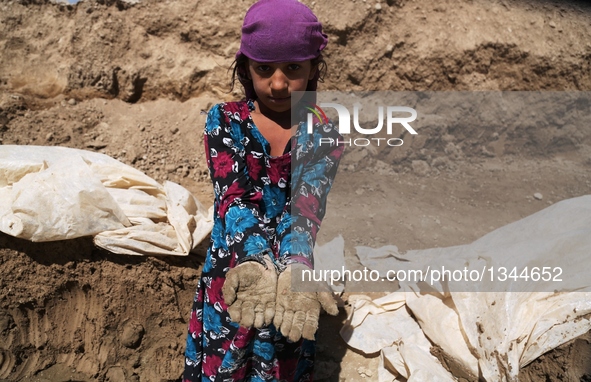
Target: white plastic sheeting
{"points": [[57, 193], [486, 328], [330, 256]]}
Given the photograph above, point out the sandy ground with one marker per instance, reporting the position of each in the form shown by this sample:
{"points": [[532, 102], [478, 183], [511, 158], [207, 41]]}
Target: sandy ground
{"points": [[131, 81]]}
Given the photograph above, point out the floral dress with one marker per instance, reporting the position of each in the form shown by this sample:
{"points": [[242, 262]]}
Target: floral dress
{"points": [[263, 206]]}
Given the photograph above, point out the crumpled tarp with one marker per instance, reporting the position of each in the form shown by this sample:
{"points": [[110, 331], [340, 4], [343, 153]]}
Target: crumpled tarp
{"points": [[487, 329], [58, 193]]}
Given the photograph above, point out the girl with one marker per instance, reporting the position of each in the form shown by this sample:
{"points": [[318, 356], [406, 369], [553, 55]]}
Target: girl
{"points": [[271, 179]]}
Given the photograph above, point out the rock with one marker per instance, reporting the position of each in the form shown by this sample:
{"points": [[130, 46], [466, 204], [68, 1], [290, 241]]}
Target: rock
{"points": [[418, 141], [538, 196], [378, 7], [448, 138], [6, 322], [131, 335], [420, 167], [72, 101], [115, 373], [552, 24], [364, 372], [487, 153], [440, 162], [131, 85], [453, 151]]}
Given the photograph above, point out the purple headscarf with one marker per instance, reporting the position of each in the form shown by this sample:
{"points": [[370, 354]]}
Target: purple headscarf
{"points": [[280, 31]]}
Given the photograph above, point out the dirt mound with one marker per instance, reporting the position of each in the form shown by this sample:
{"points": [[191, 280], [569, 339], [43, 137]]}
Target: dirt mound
{"points": [[71, 304], [154, 50], [132, 79]]}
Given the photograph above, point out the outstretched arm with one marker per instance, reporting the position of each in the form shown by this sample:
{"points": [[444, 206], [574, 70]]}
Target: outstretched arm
{"points": [[314, 167], [249, 289], [236, 198], [313, 172]]}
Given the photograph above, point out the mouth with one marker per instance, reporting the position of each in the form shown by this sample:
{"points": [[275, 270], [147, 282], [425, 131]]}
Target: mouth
{"points": [[280, 99]]}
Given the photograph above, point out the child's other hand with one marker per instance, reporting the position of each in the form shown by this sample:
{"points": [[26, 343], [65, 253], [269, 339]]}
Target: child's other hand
{"points": [[250, 291], [297, 313]]}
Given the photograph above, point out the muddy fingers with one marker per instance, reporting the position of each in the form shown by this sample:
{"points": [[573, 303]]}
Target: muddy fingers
{"points": [[249, 292], [297, 313]]}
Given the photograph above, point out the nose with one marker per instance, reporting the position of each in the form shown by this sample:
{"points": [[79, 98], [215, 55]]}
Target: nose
{"points": [[279, 81]]}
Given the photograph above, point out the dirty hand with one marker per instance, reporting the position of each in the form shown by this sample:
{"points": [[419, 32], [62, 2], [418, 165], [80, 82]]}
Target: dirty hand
{"points": [[249, 291], [297, 313]]}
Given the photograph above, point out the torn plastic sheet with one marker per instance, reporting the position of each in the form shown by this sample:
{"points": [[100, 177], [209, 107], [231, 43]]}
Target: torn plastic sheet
{"points": [[58, 193], [487, 329]]}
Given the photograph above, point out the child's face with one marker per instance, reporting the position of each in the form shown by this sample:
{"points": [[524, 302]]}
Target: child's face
{"points": [[274, 82]]}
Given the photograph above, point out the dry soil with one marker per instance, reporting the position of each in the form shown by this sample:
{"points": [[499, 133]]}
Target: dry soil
{"points": [[132, 79]]}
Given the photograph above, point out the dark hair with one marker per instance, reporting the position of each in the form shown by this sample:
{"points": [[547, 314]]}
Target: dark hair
{"points": [[321, 67], [239, 70]]}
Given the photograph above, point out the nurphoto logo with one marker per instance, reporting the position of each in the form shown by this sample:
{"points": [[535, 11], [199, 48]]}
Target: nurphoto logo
{"points": [[401, 115]]}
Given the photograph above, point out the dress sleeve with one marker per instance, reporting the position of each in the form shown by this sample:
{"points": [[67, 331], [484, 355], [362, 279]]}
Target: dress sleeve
{"points": [[236, 199], [314, 168]]}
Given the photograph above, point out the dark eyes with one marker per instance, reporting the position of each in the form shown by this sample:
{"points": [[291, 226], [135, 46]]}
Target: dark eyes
{"points": [[267, 68]]}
